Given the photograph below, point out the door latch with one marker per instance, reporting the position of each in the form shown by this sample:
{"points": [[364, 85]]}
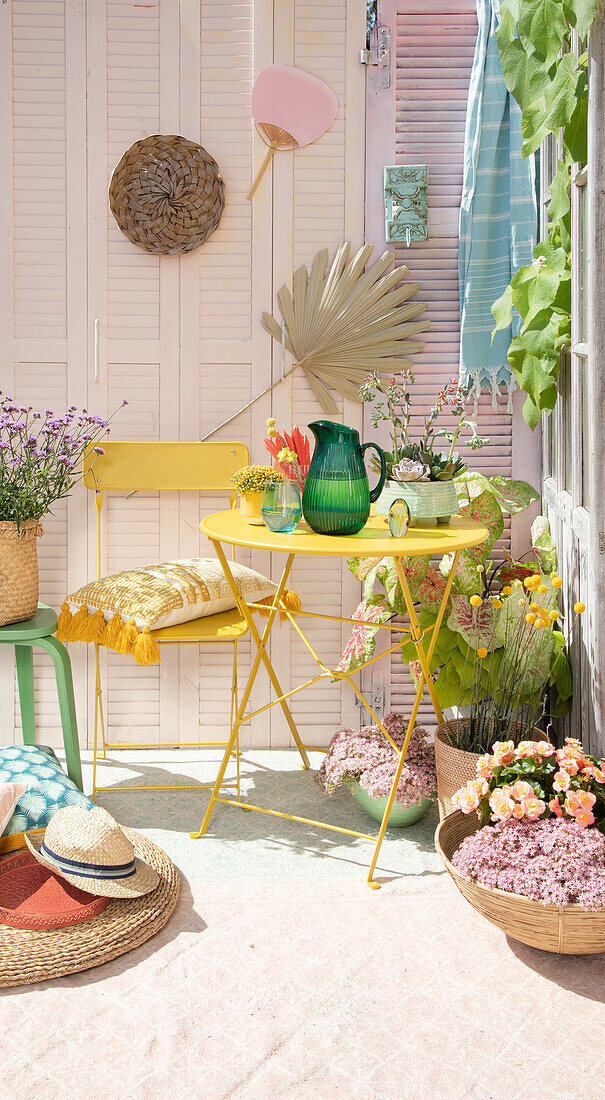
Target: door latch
{"points": [[379, 54]]}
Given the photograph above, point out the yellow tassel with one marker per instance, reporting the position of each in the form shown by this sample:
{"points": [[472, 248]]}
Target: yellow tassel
{"points": [[95, 627], [290, 600], [131, 634], [113, 632], [146, 650], [123, 641], [76, 631], [64, 622]]}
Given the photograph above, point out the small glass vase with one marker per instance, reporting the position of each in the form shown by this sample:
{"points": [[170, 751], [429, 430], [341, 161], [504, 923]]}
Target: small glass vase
{"points": [[281, 510]]}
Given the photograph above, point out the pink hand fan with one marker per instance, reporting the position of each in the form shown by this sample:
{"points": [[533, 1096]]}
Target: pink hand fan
{"points": [[290, 108]]}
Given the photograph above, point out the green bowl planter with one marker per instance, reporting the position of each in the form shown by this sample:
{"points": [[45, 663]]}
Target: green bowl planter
{"points": [[430, 502], [399, 815]]}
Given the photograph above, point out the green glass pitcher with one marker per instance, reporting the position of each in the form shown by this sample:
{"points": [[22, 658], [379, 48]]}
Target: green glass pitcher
{"points": [[337, 497]]}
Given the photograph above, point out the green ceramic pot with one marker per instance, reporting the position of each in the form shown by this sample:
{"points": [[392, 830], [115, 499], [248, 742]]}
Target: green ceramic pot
{"points": [[429, 502], [399, 816]]}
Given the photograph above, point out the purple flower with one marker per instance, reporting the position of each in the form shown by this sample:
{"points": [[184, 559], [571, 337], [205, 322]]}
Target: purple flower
{"points": [[98, 450], [124, 402]]}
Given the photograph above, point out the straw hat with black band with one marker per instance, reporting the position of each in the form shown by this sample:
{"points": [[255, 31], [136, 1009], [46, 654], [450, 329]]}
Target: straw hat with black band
{"points": [[89, 849]]}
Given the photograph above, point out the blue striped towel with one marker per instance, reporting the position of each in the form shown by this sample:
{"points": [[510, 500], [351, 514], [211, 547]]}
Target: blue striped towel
{"points": [[498, 216]]}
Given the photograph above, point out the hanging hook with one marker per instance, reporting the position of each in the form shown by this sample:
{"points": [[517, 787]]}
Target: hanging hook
{"points": [[408, 236]]}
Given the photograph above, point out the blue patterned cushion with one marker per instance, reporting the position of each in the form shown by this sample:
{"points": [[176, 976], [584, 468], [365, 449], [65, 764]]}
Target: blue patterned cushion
{"points": [[49, 787]]}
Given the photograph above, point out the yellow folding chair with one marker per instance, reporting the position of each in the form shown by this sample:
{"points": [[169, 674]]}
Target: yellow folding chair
{"points": [[168, 467]]}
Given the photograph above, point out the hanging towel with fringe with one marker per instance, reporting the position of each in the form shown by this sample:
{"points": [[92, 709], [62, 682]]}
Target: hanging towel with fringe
{"points": [[498, 215]]}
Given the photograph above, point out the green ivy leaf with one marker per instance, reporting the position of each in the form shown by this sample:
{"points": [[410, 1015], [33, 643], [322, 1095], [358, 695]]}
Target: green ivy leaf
{"points": [[559, 192], [565, 91], [542, 27], [533, 125], [575, 134], [516, 69], [580, 14], [531, 413], [502, 310]]}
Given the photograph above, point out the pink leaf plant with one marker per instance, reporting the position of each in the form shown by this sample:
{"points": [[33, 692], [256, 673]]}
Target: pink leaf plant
{"points": [[367, 757]]}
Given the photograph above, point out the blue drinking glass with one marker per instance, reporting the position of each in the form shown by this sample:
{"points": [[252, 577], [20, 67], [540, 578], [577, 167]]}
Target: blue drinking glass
{"points": [[281, 508]]}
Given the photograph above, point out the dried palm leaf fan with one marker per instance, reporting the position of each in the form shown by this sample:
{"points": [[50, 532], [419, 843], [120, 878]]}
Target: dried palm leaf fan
{"points": [[290, 108], [342, 322]]}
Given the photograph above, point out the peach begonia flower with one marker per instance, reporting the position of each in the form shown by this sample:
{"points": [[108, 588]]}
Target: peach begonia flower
{"points": [[501, 804], [521, 789], [594, 772], [561, 781], [503, 752], [466, 800], [579, 802], [485, 766], [566, 762], [555, 807], [479, 785], [544, 748], [533, 807], [518, 811], [526, 748], [584, 818]]}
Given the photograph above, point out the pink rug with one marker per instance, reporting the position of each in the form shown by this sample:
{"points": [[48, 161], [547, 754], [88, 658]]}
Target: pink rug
{"points": [[315, 989]]}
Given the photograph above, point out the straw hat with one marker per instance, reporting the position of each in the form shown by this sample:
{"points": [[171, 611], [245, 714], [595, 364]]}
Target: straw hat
{"points": [[90, 850]]}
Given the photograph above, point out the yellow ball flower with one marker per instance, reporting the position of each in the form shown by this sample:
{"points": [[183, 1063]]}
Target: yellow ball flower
{"points": [[534, 607], [476, 601], [529, 618], [521, 603], [538, 624], [517, 584], [497, 604], [507, 590], [553, 616], [482, 652], [272, 432], [542, 588], [271, 422], [557, 582], [528, 582], [579, 608]]}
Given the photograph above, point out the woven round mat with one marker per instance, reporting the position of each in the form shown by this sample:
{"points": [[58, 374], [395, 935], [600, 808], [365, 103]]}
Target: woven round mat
{"points": [[167, 194], [28, 956]]}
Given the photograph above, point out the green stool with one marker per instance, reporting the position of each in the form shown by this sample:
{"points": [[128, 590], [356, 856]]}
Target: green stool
{"points": [[39, 631]]}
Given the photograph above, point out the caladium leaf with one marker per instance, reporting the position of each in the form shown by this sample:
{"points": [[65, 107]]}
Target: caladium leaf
{"points": [[477, 625], [362, 643]]}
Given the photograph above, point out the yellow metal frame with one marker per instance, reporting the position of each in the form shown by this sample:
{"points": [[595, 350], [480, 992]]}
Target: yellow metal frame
{"points": [[175, 467], [464, 535]]}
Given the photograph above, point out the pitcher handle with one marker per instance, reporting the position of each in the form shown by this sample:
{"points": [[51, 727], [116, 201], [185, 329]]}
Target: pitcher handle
{"points": [[375, 493]]}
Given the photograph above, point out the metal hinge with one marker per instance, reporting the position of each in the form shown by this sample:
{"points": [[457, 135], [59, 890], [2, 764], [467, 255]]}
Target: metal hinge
{"points": [[379, 54]]}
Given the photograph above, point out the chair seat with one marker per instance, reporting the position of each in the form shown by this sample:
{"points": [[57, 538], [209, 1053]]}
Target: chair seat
{"points": [[41, 625], [223, 627]]}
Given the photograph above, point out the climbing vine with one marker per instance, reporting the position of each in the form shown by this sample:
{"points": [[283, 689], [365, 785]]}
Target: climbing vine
{"points": [[550, 84]]}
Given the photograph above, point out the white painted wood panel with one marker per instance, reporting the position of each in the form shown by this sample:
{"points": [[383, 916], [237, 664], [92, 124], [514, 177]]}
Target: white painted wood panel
{"points": [[180, 338]]}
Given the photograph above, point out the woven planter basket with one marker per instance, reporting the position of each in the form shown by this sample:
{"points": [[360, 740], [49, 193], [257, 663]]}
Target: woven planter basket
{"points": [[562, 929], [18, 570], [454, 766], [167, 194]]}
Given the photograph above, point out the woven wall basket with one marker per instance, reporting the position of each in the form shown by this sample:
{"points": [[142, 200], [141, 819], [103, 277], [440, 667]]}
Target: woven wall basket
{"points": [[562, 929], [167, 194], [18, 570]]}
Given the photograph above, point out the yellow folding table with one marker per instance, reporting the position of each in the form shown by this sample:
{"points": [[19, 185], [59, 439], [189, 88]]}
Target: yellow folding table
{"points": [[375, 541]]}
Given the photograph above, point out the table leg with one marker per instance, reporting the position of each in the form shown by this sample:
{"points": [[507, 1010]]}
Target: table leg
{"points": [[25, 682], [426, 678], [261, 643], [67, 707], [260, 651]]}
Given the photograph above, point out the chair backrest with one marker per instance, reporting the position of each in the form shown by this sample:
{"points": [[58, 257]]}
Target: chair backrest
{"points": [[177, 467]]}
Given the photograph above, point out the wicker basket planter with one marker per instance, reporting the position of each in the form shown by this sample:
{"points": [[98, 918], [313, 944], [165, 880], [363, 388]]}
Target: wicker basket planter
{"points": [[18, 570], [562, 929], [454, 766]]}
